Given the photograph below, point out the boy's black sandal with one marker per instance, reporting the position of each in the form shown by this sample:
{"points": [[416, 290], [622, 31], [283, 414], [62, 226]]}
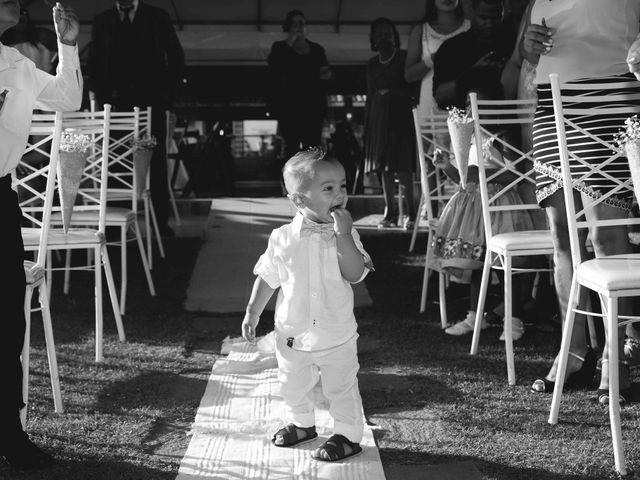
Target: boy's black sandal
{"points": [[335, 450], [289, 436]]}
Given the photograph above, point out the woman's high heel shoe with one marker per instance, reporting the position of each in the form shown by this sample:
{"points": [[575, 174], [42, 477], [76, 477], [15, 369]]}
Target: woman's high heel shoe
{"points": [[579, 379], [625, 395]]}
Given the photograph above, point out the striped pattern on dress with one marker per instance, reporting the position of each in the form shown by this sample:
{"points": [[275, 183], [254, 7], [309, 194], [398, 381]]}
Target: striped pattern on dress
{"points": [[546, 150]]}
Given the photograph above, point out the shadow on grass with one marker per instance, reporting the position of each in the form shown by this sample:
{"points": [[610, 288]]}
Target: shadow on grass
{"points": [[92, 469]]}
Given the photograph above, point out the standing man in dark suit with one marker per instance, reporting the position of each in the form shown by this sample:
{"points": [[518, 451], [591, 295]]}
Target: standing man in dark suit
{"points": [[135, 59]]}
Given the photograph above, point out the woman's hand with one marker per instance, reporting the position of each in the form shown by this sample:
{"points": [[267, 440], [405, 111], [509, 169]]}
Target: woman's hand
{"points": [[537, 39], [633, 58], [66, 24]]}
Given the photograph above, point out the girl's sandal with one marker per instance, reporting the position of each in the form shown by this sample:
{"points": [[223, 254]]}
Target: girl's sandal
{"points": [[335, 449], [289, 436]]}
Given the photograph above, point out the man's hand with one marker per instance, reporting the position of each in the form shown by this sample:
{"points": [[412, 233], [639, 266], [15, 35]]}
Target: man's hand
{"points": [[440, 158], [249, 325], [66, 23], [633, 58]]}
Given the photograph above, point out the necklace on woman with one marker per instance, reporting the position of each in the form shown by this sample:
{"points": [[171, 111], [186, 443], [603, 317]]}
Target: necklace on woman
{"points": [[384, 62]]}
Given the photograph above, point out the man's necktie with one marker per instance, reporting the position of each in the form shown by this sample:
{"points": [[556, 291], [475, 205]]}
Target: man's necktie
{"points": [[325, 230], [126, 15]]}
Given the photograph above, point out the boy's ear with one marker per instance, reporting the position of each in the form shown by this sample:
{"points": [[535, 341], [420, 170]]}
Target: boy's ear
{"points": [[297, 199]]}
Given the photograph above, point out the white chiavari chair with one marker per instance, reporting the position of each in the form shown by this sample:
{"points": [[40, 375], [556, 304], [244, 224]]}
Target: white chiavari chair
{"points": [[45, 134], [611, 277], [503, 248], [123, 129], [96, 126], [436, 189]]}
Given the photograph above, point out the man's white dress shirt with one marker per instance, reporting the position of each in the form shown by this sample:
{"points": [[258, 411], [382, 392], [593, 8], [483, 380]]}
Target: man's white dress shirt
{"points": [[315, 303], [28, 88]]}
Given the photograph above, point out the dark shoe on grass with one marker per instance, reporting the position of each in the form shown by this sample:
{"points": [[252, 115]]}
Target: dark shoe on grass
{"points": [[22, 454]]}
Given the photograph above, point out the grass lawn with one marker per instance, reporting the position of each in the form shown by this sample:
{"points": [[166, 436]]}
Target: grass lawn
{"points": [[428, 401]]}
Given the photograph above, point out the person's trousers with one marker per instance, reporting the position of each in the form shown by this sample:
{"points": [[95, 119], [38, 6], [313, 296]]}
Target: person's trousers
{"points": [[337, 369], [12, 294]]}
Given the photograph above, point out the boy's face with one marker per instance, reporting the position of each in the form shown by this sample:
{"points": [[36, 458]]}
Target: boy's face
{"points": [[322, 195]]}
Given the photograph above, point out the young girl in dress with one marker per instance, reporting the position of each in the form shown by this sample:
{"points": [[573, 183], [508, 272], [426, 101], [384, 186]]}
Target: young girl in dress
{"points": [[459, 245]]}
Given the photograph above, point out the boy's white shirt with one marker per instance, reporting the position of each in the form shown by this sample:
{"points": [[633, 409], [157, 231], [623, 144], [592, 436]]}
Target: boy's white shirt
{"points": [[315, 303]]}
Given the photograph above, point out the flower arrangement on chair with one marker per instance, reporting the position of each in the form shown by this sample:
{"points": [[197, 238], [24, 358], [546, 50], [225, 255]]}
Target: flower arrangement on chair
{"points": [[628, 143], [142, 153], [74, 150], [460, 126]]}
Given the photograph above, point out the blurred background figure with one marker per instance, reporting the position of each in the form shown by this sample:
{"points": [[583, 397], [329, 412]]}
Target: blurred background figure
{"points": [[136, 60], [298, 71], [390, 142]]}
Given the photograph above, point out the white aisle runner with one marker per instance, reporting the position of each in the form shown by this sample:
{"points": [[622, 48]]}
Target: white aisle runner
{"points": [[240, 411]]}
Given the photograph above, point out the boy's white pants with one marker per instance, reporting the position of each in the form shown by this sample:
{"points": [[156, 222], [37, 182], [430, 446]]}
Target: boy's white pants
{"points": [[337, 368]]}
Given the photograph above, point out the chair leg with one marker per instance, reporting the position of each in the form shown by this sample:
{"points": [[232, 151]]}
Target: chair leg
{"points": [[97, 274], [414, 234], [148, 232], [67, 271], [442, 289], [143, 257], [565, 345], [123, 268], [174, 207], [426, 274], [111, 285], [156, 230], [508, 326], [400, 205], [25, 354], [484, 286], [51, 348], [614, 386]]}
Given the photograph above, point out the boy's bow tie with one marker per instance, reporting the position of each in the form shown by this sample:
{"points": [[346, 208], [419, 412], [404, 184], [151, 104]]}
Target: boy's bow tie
{"points": [[324, 229]]}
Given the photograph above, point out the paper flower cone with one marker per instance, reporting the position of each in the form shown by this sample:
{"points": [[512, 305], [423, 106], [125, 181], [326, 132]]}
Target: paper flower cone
{"points": [[141, 164], [632, 149], [70, 167], [461, 132]]}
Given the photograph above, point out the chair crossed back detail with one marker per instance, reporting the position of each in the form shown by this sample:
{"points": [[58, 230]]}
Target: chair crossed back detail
{"points": [[436, 186], [27, 180], [499, 122], [38, 202], [569, 107], [125, 127]]}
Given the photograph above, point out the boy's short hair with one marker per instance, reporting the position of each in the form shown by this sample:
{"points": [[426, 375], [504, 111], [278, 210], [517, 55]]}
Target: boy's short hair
{"points": [[301, 168]]}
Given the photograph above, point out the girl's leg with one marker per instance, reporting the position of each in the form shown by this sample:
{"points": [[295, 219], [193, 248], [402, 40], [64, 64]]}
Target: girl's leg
{"points": [[388, 187], [563, 274], [612, 241], [406, 180]]}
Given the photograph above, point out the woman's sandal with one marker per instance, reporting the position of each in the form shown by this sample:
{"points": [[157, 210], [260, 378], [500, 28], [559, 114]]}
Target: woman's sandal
{"points": [[335, 449], [579, 379], [289, 436], [624, 396]]}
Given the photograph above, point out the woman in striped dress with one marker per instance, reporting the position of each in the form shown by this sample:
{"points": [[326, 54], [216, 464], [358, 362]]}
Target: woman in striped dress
{"points": [[583, 41]]}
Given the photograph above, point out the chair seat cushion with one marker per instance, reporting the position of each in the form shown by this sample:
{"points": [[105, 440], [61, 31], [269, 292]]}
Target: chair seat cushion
{"points": [[522, 241], [76, 237], [616, 272]]}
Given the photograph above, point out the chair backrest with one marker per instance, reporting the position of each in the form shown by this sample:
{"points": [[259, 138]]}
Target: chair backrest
{"points": [[37, 201], [436, 186], [498, 122], [42, 147], [570, 105]]}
